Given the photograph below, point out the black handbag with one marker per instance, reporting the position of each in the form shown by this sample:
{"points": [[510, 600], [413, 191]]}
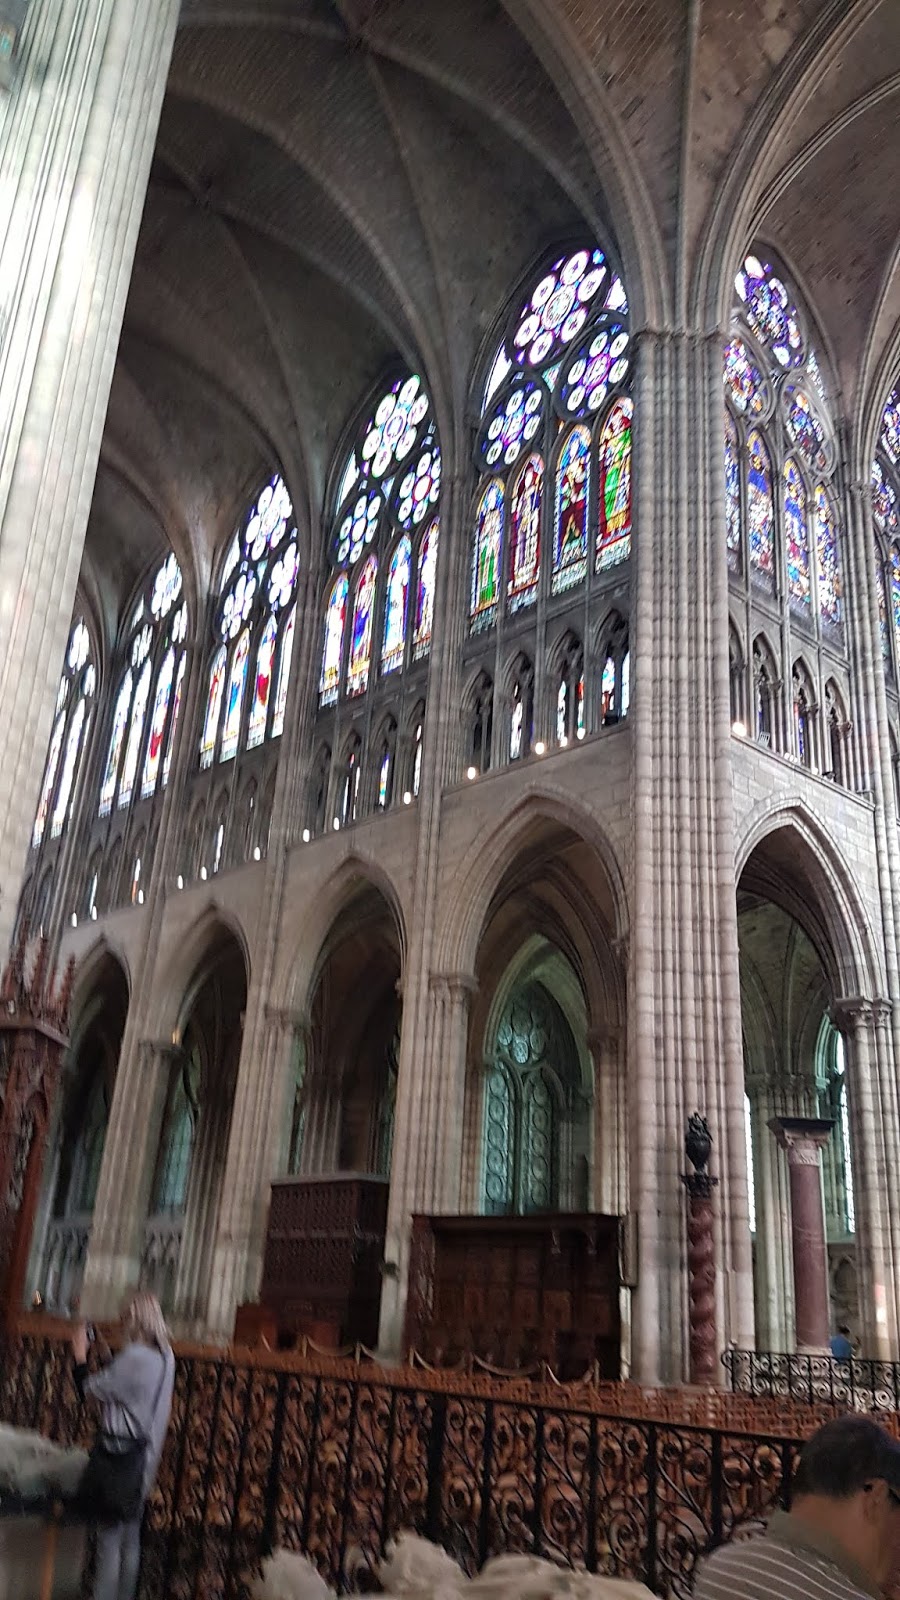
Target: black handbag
{"points": [[112, 1487]]}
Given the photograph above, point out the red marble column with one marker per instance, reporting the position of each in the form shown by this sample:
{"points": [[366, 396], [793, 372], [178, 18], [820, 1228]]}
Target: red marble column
{"points": [[802, 1138]]}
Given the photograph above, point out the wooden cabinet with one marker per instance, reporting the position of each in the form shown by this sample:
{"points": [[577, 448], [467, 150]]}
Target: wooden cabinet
{"points": [[322, 1264]]}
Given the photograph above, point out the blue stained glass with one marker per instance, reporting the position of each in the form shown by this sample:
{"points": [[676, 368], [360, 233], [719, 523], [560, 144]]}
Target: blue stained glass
{"points": [[770, 311], [525, 533], [361, 632], [796, 534], [396, 606], [486, 555], [826, 550], [884, 502], [235, 698], [570, 523], [744, 379], [332, 654], [425, 591], [732, 493], [760, 510]]}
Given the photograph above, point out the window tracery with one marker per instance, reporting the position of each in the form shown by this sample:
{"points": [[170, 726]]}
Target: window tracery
{"points": [[75, 700], [154, 657], [781, 504], [886, 513], [552, 509]]}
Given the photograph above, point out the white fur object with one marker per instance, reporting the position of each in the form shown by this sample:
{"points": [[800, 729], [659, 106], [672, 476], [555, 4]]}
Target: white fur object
{"points": [[417, 1570], [31, 1465]]}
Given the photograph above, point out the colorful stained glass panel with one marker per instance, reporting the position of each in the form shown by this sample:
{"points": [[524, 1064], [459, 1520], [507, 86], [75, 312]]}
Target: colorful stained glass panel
{"points": [[158, 725], [570, 520], [262, 685], [234, 700], [806, 431], [760, 508], [333, 650], [486, 555], [135, 736], [827, 558], [559, 307], [890, 428], [116, 741], [47, 787], [525, 534], [396, 607], [882, 611], [508, 430], [614, 522], [213, 707], [62, 809], [600, 365], [743, 379], [884, 502], [392, 433], [796, 534], [173, 725], [770, 311], [732, 493], [418, 490], [425, 591], [284, 675], [895, 592], [361, 629]]}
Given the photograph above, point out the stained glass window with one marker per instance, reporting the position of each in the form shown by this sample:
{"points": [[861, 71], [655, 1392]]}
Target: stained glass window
{"points": [[884, 501], [890, 428], [425, 592], [732, 492], [155, 658], [333, 652], [827, 559], [525, 533], [565, 359], [258, 582], [158, 724], [796, 533], [883, 614], [608, 691], [417, 760], [486, 561], [231, 727], [516, 724], [116, 743], [570, 521], [389, 484], [361, 629], [614, 524], [135, 735], [806, 430], [895, 589], [61, 810], [760, 509], [396, 605], [177, 1143], [562, 712], [49, 783], [284, 673], [259, 710], [770, 311], [173, 725], [384, 780], [214, 696], [743, 379]]}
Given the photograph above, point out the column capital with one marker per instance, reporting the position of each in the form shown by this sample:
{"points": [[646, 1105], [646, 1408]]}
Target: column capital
{"points": [[454, 986], [604, 1035], [163, 1049], [287, 1017], [853, 1013], [802, 1137]]}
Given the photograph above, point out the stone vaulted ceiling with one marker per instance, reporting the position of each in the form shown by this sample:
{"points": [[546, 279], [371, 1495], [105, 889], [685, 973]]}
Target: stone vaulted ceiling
{"points": [[337, 182]]}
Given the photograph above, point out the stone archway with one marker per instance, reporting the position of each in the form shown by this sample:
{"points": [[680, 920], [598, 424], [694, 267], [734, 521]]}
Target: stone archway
{"points": [[794, 948], [197, 1089], [63, 1230]]}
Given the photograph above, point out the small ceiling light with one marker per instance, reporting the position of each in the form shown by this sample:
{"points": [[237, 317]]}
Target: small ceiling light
{"points": [[472, 774], [257, 854], [407, 798], [306, 836], [179, 881], [540, 747], [74, 919], [739, 729], [203, 874]]}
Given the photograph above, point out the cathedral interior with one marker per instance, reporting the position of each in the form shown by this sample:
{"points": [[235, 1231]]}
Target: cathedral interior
{"points": [[450, 623]]}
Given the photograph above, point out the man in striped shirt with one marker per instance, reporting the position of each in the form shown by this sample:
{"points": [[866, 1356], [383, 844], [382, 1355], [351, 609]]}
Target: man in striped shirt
{"points": [[841, 1538]]}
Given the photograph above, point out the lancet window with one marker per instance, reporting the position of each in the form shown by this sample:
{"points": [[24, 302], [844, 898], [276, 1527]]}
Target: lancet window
{"points": [[75, 701], [886, 511]]}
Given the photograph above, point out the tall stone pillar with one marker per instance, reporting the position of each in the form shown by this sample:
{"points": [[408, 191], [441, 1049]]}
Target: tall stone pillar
{"points": [[803, 1138], [77, 128], [426, 1171], [684, 1010]]}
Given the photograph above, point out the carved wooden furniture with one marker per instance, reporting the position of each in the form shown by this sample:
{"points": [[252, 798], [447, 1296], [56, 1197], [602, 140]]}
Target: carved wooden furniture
{"points": [[517, 1290], [322, 1265]]}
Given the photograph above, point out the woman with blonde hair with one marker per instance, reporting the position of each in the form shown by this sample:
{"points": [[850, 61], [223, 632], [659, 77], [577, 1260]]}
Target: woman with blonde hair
{"points": [[135, 1397]]}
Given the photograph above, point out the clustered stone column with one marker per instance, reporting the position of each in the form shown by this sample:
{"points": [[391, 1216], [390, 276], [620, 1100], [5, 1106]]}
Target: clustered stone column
{"points": [[803, 1138], [80, 116]]}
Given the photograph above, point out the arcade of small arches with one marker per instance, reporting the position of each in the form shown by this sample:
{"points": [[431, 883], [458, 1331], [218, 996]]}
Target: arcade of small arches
{"points": [[293, 704]]}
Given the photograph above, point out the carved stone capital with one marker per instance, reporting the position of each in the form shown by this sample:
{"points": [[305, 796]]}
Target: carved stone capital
{"points": [[855, 1014], [457, 987], [802, 1138]]}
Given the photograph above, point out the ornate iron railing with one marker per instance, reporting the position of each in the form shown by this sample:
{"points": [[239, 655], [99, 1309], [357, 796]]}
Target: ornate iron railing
{"points": [[815, 1380], [336, 1459]]}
